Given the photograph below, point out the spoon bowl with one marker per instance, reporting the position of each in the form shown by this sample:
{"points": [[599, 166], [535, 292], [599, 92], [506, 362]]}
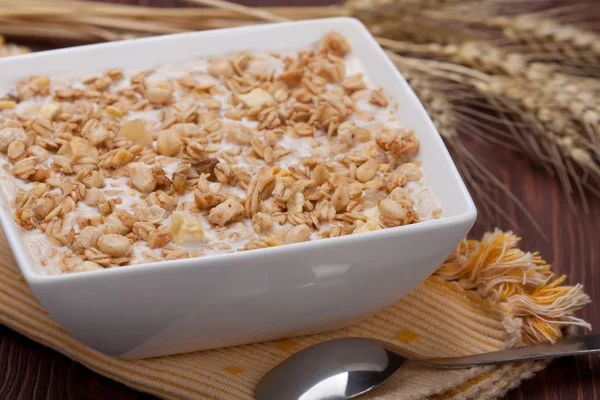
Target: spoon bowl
{"points": [[335, 369], [344, 368]]}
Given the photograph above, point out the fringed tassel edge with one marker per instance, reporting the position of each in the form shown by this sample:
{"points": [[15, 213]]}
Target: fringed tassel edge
{"points": [[521, 283]]}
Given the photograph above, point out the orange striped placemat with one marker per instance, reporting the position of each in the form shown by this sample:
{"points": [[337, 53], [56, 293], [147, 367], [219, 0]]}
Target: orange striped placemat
{"points": [[487, 296]]}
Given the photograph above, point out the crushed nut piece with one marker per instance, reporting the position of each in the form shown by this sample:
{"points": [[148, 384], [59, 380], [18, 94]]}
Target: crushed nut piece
{"points": [[87, 238], [399, 142], [220, 68], [225, 213], [262, 222], [334, 43], [158, 239], [92, 196], [206, 201], [159, 93], [142, 178], [366, 172], [169, 143], [135, 131], [394, 213], [114, 245]]}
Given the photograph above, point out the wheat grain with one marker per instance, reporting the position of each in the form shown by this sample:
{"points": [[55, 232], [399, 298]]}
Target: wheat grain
{"points": [[537, 32], [553, 137], [479, 55], [550, 134], [567, 39]]}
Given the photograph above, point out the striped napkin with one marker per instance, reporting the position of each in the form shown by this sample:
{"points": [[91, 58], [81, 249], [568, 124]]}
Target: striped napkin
{"points": [[488, 295]]}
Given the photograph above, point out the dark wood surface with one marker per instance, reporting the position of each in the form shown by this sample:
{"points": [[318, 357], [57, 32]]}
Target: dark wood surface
{"points": [[31, 371]]}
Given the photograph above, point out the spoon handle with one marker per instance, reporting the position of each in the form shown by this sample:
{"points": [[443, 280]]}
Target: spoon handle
{"points": [[569, 347]]}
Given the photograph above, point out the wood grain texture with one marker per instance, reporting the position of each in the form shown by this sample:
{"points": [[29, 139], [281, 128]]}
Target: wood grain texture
{"points": [[31, 371]]}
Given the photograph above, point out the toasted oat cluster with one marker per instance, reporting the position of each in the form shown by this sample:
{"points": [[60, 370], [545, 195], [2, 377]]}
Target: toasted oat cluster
{"points": [[205, 157]]}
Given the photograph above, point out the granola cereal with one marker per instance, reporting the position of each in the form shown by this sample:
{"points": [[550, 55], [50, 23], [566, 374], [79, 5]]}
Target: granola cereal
{"points": [[206, 157]]}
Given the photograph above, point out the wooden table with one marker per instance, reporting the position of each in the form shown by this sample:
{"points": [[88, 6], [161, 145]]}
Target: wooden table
{"points": [[31, 371]]}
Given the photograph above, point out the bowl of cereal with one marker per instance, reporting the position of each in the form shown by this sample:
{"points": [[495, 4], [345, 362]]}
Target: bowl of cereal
{"points": [[222, 187]]}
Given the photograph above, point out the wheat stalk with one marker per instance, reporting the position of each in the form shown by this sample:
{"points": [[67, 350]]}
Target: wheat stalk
{"points": [[550, 133], [442, 109], [547, 83], [567, 40], [442, 115], [541, 32]]}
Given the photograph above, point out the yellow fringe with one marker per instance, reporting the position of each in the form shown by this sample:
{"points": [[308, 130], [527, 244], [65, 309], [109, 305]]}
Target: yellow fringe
{"points": [[522, 283]]}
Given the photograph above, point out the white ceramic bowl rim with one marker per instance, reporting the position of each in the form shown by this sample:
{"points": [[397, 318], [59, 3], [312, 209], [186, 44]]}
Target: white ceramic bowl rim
{"points": [[21, 253]]}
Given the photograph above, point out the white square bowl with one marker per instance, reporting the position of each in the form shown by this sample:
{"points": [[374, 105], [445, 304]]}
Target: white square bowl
{"points": [[186, 305]]}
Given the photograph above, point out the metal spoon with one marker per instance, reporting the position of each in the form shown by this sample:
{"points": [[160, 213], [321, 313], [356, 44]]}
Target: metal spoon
{"points": [[341, 369]]}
